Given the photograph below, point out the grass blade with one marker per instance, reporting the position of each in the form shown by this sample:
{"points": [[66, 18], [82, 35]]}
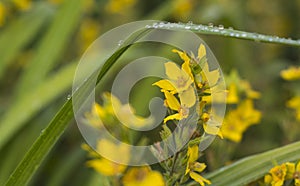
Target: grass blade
{"points": [[12, 42], [253, 167], [51, 46], [33, 101]]}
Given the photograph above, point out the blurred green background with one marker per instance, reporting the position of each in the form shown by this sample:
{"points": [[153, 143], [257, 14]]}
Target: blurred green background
{"points": [[41, 43]]}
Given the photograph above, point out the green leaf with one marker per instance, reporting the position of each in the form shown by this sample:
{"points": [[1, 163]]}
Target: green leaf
{"points": [[33, 101], [52, 45], [12, 42], [253, 167]]}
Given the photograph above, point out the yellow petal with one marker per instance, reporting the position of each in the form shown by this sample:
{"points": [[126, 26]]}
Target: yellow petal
{"points": [[199, 179], [182, 55], [213, 130], [172, 117], [188, 97], [106, 167], [172, 70], [201, 51], [199, 167], [172, 101], [192, 153], [165, 85], [186, 67]]}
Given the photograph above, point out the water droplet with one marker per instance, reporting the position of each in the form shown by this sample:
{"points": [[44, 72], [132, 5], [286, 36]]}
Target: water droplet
{"points": [[244, 35], [120, 42], [69, 97], [231, 34], [230, 28], [147, 26], [210, 25], [187, 27], [190, 22], [221, 27]]}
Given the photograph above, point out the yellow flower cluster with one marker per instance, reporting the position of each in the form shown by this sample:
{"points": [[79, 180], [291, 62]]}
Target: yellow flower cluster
{"points": [[185, 82], [110, 114], [182, 88], [285, 172], [134, 176], [290, 74], [237, 120]]}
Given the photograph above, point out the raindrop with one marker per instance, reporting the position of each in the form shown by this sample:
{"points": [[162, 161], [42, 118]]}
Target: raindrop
{"points": [[120, 42], [187, 27], [69, 97], [244, 35], [230, 28], [190, 22], [210, 25], [221, 27], [147, 26]]}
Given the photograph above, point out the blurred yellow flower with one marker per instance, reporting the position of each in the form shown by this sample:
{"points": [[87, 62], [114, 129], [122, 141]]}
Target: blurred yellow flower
{"points": [[183, 9], [22, 4], [142, 176], [2, 14], [238, 120], [108, 149], [193, 167], [118, 6], [113, 112], [88, 33], [294, 103], [292, 73]]}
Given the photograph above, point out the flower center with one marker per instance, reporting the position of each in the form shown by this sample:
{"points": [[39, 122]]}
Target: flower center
{"points": [[181, 82], [184, 111]]}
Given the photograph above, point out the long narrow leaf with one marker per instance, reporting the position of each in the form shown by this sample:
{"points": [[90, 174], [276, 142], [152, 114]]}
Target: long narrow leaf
{"points": [[33, 101], [51, 46], [12, 42], [253, 167]]}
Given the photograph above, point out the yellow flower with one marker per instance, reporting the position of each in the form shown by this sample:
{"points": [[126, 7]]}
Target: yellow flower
{"points": [[2, 14], [22, 4], [292, 73], [88, 33], [211, 125], [238, 120], [182, 108], [203, 77], [193, 167], [294, 103], [179, 80], [119, 6], [143, 176], [108, 149], [277, 175], [113, 112]]}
